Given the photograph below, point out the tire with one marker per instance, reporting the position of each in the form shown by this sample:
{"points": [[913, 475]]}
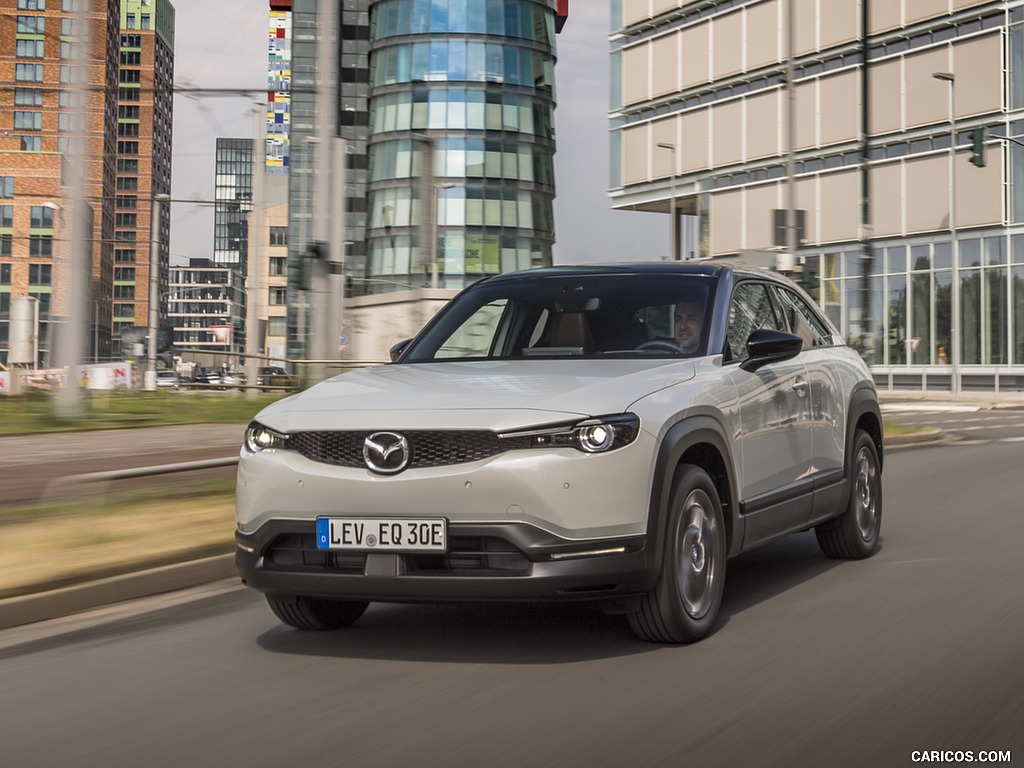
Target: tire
{"points": [[684, 604], [315, 613], [854, 534]]}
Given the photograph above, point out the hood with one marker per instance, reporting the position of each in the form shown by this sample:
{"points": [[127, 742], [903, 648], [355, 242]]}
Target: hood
{"points": [[491, 394]]}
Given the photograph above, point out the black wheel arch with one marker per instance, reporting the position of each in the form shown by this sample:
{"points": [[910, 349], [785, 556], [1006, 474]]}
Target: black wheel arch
{"points": [[699, 440], [864, 414]]}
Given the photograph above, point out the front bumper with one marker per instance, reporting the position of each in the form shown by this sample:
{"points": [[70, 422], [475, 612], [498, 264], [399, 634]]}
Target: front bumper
{"points": [[502, 562]]}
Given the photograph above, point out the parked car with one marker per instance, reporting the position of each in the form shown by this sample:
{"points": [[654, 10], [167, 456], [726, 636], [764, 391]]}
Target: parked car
{"points": [[168, 379], [607, 433], [274, 376], [233, 378], [208, 376]]}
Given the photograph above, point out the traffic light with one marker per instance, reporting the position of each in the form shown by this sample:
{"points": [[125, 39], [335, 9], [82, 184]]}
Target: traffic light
{"points": [[978, 147]]}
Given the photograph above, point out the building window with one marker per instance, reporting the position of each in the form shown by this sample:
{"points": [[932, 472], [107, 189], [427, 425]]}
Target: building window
{"points": [[40, 274], [127, 147], [277, 265], [28, 97], [145, 21], [124, 310], [128, 112], [279, 235], [127, 166], [5, 272], [278, 296], [129, 21], [127, 129], [39, 245], [124, 274], [127, 220], [31, 143], [31, 73], [31, 25], [124, 291], [31, 5], [6, 186], [30, 49], [127, 202], [28, 121], [41, 217], [128, 183], [6, 215], [5, 250], [124, 255], [131, 41], [131, 58], [129, 76], [128, 94], [277, 326]]}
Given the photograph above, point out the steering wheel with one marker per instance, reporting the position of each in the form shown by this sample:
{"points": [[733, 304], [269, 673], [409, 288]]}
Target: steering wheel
{"points": [[661, 345]]}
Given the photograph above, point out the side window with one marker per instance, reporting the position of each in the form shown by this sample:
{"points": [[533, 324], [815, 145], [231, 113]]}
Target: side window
{"points": [[750, 310], [802, 320], [476, 336]]}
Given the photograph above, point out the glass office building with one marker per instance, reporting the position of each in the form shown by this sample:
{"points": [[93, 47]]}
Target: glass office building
{"points": [[906, 122], [461, 140]]}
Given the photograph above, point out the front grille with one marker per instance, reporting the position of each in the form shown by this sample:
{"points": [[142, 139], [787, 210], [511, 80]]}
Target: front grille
{"points": [[471, 555], [298, 551], [466, 555], [428, 448]]}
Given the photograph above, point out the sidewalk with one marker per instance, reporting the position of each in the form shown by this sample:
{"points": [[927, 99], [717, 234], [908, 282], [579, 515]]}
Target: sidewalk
{"points": [[114, 573]]}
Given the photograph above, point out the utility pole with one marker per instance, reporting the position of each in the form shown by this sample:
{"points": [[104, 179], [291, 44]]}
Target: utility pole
{"points": [[149, 382], [254, 269]]}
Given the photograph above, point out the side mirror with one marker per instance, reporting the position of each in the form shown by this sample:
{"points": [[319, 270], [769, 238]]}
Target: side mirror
{"points": [[764, 347], [397, 350]]}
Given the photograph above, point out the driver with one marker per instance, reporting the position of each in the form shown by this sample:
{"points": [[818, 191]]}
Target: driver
{"points": [[688, 317]]}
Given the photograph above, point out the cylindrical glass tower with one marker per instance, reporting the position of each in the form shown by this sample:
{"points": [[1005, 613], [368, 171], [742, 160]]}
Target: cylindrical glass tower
{"points": [[461, 154]]}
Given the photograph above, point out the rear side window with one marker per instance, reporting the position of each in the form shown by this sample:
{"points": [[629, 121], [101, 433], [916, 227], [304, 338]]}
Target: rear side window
{"points": [[802, 320]]}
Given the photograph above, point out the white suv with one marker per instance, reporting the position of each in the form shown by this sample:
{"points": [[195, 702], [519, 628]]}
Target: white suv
{"points": [[610, 433]]}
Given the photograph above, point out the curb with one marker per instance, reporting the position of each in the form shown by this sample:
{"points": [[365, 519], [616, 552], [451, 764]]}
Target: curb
{"points": [[28, 609], [926, 437]]}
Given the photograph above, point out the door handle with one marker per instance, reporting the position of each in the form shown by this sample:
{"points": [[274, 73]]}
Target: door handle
{"points": [[800, 387]]}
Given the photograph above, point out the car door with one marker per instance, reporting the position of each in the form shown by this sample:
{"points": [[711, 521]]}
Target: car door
{"points": [[775, 430], [828, 407]]}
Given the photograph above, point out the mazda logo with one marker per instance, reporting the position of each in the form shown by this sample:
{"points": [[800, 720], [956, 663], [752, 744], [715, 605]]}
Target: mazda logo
{"points": [[386, 452]]}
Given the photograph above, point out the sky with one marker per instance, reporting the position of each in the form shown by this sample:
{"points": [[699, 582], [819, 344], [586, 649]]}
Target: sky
{"points": [[222, 44]]}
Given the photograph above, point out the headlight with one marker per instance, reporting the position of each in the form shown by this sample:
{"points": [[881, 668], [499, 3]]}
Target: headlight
{"points": [[591, 436], [259, 438]]}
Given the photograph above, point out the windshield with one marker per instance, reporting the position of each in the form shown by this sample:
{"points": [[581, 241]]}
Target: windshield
{"points": [[621, 315]]}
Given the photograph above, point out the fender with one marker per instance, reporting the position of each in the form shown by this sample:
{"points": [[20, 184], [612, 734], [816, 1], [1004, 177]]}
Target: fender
{"points": [[863, 400], [685, 434]]}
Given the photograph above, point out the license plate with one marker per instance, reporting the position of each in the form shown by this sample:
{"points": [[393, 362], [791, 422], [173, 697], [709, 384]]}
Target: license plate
{"points": [[382, 535]]}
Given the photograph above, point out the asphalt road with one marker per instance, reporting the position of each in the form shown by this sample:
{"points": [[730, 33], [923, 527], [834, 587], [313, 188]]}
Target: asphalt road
{"points": [[813, 663]]}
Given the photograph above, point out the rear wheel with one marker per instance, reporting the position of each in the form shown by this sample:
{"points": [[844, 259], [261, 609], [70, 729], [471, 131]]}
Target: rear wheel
{"points": [[315, 613], [684, 604], [854, 534]]}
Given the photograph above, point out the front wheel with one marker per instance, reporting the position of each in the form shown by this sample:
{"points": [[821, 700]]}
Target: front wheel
{"points": [[684, 604], [315, 613], [854, 534]]}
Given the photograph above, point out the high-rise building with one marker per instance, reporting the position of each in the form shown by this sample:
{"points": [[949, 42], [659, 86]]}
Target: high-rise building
{"points": [[446, 109], [144, 119], [904, 150], [36, 84], [461, 155], [232, 203], [279, 85]]}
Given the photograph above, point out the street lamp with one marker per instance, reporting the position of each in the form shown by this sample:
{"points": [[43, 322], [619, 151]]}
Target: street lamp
{"points": [[954, 315], [672, 184], [433, 235], [149, 383]]}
